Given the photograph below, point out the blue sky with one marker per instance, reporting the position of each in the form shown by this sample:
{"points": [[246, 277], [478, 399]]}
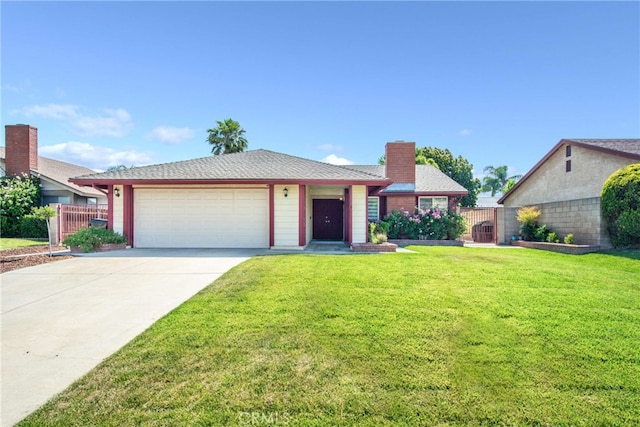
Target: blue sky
{"points": [[497, 82]]}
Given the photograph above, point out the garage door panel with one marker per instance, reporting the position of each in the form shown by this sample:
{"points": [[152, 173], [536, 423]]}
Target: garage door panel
{"points": [[216, 218]]}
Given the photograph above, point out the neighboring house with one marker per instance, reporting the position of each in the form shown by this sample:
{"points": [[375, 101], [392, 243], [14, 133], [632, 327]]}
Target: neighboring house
{"points": [[264, 199], [566, 185], [20, 155], [487, 202]]}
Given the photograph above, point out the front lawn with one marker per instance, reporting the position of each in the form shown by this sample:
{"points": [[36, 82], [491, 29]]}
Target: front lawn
{"points": [[11, 243], [448, 336]]}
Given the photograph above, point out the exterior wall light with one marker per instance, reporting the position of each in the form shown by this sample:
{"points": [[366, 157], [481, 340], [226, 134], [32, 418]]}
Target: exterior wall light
{"points": [[285, 192], [116, 192]]}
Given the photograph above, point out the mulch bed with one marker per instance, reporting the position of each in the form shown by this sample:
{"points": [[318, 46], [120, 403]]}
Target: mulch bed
{"points": [[14, 259]]}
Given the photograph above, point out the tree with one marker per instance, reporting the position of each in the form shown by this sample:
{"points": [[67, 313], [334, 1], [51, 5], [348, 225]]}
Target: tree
{"points": [[457, 168], [497, 180], [18, 195], [45, 213], [227, 137], [621, 206]]}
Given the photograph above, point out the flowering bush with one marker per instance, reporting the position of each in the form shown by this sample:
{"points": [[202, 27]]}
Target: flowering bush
{"points": [[428, 224]]}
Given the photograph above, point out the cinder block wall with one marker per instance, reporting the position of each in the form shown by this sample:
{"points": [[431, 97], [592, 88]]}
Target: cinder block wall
{"points": [[508, 225], [582, 217]]}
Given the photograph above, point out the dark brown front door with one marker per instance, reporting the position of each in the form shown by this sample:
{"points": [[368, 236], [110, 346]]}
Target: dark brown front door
{"points": [[327, 219]]}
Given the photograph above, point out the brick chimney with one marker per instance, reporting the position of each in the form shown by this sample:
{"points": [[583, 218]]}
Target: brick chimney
{"points": [[400, 162], [21, 149]]}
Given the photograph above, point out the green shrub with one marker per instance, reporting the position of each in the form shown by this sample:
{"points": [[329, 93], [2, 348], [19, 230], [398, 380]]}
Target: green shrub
{"points": [[621, 206], [541, 233], [568, 239], [18, 195], [377, 234], [428, 224], [89, 239], [552, 237], [31, 226], [528, 218]]}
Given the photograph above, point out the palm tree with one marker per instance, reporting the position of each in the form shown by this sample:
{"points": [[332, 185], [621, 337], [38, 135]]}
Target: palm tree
{"points": [[227, 138], [497, 180]]}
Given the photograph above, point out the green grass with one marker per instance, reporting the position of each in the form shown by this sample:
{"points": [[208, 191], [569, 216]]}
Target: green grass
{"points": [[446, 336], [11, 243]]}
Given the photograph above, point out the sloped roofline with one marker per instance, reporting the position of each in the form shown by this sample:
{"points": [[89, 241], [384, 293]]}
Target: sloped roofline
{"points": [[555, 148], [125, 178]]}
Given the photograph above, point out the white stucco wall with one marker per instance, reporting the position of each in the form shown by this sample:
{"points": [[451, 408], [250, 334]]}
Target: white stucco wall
{"points": [[286, 214], [551, 183], [359, 213], [309, 219], [118, 213]]}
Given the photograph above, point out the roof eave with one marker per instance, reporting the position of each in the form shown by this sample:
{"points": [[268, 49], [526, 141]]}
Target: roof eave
{"points": [[68, 187], [102, 182]]}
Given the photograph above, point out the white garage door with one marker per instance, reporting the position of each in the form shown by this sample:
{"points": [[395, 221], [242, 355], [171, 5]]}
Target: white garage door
{"points": [[201, 218]]}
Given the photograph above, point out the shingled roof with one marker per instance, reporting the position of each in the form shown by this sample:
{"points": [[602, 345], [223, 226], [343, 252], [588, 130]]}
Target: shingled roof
{"points": [[253, 165], [60, 172], [629, 148], [428, 179], [624, 147]]}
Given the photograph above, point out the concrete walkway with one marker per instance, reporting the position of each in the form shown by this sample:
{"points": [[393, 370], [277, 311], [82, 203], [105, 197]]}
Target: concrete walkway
{"points": [[60, 320]]}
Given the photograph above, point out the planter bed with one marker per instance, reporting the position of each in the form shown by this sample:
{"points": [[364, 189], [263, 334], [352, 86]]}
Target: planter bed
{"points": [[371, 248], [407, 242], [102, 248], [557, 247]]}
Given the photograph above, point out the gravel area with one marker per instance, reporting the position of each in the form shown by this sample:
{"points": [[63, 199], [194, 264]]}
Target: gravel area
{"points": [[13, 259]]}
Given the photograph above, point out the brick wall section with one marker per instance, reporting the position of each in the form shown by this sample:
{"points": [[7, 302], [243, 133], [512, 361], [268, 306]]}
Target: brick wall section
{"points": [[21, 149], [400, 162], [395, 203], [371, 248], [407, 242], [582, 217]]}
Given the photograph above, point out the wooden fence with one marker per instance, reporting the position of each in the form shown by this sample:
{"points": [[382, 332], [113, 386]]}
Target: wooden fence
{"points": [[72, 218], [481, 224]]}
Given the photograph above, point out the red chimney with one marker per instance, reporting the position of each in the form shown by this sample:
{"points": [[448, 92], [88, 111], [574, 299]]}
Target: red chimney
{"points": [[400, 162], [21, 149]]}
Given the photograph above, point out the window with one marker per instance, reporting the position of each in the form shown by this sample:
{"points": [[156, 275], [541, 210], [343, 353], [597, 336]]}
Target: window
{"points": [[433, 202], [373, 208], [567, 166], [64, 200], [568, 151]]}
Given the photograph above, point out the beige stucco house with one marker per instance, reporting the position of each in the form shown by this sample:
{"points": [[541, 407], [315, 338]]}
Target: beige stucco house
{"points": [[566, 185]]}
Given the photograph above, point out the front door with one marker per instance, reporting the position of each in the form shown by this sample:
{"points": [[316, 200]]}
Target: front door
{"points": [[327, 219]]}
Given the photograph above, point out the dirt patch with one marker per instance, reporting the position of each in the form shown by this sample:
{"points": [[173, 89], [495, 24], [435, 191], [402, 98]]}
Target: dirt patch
{"points": [[14, 259]]}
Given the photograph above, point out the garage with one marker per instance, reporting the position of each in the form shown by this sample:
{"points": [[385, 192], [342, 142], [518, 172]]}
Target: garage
{"points": [[201, 217]]}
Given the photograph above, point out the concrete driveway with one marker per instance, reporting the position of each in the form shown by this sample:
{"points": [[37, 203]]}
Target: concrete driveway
{"points": [[60, 320]]}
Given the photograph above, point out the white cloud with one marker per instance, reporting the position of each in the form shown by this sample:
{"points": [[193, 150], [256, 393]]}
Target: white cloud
{"points": [[170, 135], [111, 122], [330, 147], [464, 132], [52, 111], [335, 160], [94, 157]]}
